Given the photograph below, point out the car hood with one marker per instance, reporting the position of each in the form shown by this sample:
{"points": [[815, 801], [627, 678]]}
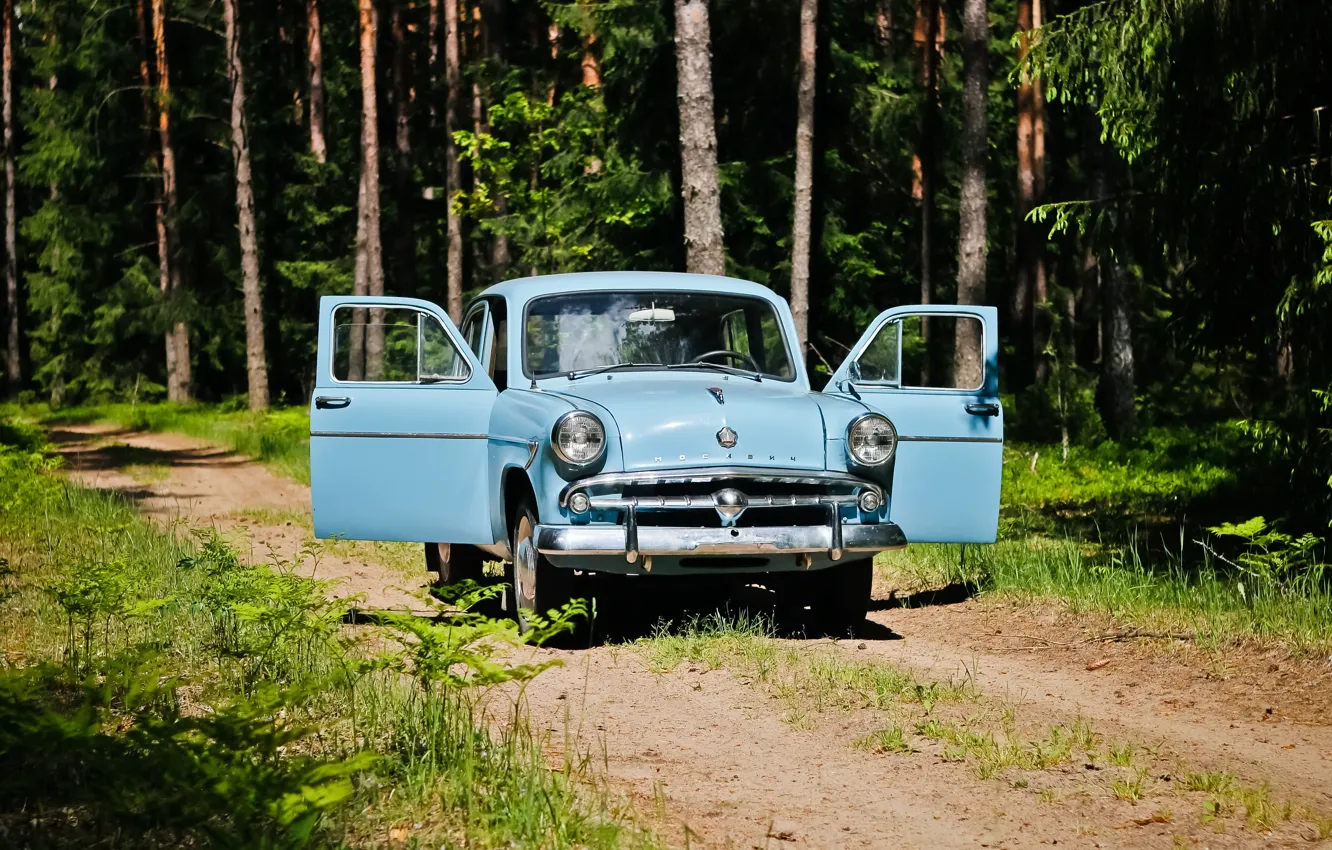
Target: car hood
{"points": [[673, 421]]}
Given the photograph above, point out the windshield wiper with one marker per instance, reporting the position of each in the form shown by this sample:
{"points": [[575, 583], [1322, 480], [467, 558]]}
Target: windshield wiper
{"points": [[730, 370], [575, 374]]}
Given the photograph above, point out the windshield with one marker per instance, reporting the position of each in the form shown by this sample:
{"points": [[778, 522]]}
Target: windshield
{"points": [[647, 330]]}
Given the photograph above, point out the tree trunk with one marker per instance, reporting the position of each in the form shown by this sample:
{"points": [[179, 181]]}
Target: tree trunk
{"points": [[704, 250], [14, 348], [1116, 390], [883, 28], [968, 367], [1117, 379], [404, 242], [930, 44], [256, 361], [453, 169], [1030, 330], [314, 42], [370, 252], [804, 172], [177, 337]]}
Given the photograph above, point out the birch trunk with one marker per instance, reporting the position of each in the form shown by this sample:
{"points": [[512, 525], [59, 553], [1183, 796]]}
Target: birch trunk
{"points": [[177, 337], [704, 250], [453, 170], [968, 367], [256, 360], [13, 308], [370, 252], [804, 173], [314, 44]]}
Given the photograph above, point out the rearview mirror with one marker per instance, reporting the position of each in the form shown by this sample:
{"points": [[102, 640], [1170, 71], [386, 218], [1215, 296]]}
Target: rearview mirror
{"points": [[653, 314]]}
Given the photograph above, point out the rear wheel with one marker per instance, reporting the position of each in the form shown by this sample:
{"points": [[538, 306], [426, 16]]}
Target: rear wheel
{"points": [[535, 585], [453, 563], [832, 601]]}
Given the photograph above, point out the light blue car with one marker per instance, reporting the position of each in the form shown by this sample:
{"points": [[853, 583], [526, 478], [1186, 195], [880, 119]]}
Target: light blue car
{"points": [[653, 424]]}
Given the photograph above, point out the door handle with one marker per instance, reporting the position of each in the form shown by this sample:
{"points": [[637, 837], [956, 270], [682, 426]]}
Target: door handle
{"points": [[983, 409], [324, 402]]}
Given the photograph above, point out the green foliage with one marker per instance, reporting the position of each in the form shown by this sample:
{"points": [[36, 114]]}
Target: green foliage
{"points": [[117, 759], [172, 693]]}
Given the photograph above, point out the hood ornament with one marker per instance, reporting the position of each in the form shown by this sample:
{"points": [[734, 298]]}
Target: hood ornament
{"points": [[727, 438], [717, 394]]}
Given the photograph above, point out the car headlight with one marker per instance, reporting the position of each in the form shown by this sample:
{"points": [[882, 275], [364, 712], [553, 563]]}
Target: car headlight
{"points": [[578, 438], [871, 440]]}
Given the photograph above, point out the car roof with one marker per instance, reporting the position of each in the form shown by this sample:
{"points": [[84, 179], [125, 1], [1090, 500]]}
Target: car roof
{"points": [[523, 289]]}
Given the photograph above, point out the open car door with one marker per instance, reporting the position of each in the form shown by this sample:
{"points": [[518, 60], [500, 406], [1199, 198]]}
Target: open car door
{"points": [[932, 370], [399, 425]]}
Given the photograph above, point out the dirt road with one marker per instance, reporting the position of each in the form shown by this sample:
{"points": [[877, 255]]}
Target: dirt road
{"points": [[719, 762]]}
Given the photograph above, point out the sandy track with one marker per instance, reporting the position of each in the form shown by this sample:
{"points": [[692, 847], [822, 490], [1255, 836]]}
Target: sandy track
{"points": [[733, 773], [174, 478]]}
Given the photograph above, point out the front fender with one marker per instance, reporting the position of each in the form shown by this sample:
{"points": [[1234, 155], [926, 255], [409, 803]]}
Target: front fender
{"points": [[520, 439]]}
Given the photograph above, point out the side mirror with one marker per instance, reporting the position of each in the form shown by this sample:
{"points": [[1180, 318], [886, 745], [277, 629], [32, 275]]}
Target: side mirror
{"points": [[853, 371]]}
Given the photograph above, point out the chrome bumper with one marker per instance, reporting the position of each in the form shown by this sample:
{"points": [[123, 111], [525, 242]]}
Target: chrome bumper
{"points": [[659, 540]]}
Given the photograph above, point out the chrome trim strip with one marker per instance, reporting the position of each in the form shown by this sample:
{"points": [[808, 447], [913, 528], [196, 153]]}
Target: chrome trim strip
{"points": [[707, 475], [950, 439], [401, 435], [611, 540], [679, 503], [523, 441]]}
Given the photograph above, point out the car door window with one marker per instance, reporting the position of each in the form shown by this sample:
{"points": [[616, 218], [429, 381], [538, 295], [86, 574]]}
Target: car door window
{"points": [[931, 351], [393, 345], [473, 329]]}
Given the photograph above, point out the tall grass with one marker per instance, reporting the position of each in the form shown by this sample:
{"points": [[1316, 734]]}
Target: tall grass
{"points": [[137, 659], [1182, 586]]}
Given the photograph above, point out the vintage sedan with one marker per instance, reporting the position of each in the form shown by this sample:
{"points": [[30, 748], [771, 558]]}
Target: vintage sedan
{"points": [[652, 424]]}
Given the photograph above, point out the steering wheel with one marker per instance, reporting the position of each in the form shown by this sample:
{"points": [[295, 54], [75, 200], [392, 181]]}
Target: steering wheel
{"points": [[734, 355]]}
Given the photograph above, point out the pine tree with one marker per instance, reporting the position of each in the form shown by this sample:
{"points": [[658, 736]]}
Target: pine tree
{"points": [[314, 46], [369, 249], [256, 360], [704, 252], [177, 335], [14, 370], [452, 168], [804, 172], [971, 263]]}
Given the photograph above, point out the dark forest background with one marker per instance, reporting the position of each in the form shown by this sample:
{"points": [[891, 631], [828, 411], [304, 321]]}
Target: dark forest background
{"points": [[1155, 216]]}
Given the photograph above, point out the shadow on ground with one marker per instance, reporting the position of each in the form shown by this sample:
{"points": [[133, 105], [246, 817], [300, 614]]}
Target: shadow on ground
{"points": [[629, 608]]}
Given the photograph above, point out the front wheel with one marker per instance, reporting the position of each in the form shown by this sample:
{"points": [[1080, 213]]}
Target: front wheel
{"points": [[832, 601], [535, 585]]}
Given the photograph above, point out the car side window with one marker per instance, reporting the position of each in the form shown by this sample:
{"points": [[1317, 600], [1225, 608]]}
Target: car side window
{"points": [[927, 351], [473, 329], [393, 345]]}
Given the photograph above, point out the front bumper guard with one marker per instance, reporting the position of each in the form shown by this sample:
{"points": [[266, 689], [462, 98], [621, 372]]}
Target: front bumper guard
{"points": [[633, 542]]}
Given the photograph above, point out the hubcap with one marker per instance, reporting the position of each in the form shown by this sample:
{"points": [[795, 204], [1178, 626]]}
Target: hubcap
{"points": [[524, 566]]}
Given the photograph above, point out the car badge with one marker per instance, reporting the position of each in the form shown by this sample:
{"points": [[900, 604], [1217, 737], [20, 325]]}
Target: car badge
{"points": [[727, 438], [717, 394]]}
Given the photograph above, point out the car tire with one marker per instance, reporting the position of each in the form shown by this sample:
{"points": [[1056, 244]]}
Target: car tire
{"points": [[452, 563], [830, 602], [535, 585]]}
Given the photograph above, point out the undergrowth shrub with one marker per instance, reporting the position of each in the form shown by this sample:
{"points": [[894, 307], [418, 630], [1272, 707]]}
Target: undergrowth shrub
{"points": [[156, 691]]}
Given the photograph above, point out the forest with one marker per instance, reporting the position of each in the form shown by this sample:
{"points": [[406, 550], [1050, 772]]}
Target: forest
{"points": [[1141, 187]]}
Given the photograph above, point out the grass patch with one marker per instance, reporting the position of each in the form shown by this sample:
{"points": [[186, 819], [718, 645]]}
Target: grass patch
{"points": [[279, 438], [155, 690], [804, 679], [1179, 588]]}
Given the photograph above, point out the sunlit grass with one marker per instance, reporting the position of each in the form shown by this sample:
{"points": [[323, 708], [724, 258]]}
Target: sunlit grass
{"points": [[92, 589], [1176, 586]]}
